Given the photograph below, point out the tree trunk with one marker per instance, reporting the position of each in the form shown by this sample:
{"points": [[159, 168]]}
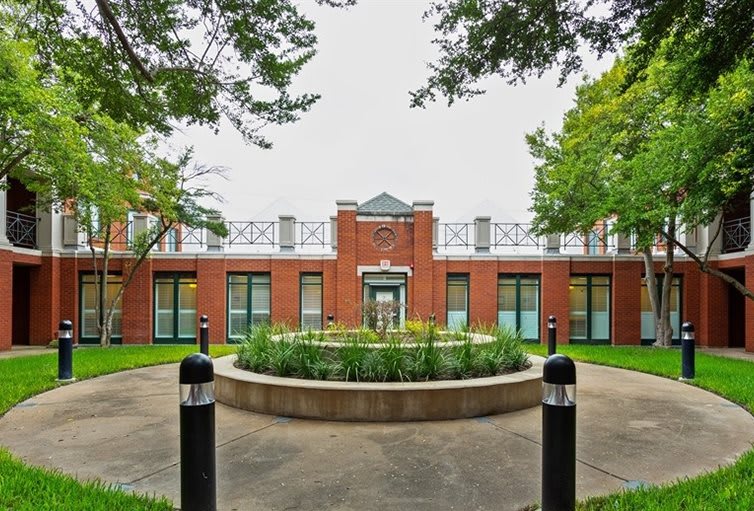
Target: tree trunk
{"points": [[651, 280], [664, 328], [105, 331]]}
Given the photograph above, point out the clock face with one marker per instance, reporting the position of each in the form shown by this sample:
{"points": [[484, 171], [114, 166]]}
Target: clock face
{"points": [[384, 238]]}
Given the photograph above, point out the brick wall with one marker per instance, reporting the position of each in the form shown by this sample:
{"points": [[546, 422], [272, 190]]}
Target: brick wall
{"points": [[54, 285], [6, 299], [347, 295], [45, 284]]}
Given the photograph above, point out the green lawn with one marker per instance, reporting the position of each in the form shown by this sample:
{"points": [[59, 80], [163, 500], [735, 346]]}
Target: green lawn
{"points": [[27, 488], [727, 489], [24, 488]]}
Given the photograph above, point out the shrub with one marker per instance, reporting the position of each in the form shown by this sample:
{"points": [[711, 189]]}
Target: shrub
{"points": [[307, 355]]}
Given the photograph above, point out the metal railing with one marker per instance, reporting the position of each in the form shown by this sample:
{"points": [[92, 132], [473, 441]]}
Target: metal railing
{"points": [[514, 235], [21, 229], [595, 241], [736, 234], [312, 233], [251, 233], [456, 235]]}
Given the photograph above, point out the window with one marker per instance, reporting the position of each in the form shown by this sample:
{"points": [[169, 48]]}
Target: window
{"points": [[171, 240], [458, 301], [88, 333], [248, 302], [589, 302], [518, 304], [175, 308], [648, 333], [311, 301]]}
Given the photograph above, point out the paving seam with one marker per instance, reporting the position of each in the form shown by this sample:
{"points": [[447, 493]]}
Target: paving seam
{"points": [[217, 446], [536, 442]]}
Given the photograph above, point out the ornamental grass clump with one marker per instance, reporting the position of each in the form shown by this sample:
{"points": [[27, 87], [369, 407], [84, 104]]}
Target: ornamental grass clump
{"points": [[420, 354]]}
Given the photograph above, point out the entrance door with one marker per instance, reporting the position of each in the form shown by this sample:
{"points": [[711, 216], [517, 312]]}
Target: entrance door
{"points": [[736, 312], [21, 304]]}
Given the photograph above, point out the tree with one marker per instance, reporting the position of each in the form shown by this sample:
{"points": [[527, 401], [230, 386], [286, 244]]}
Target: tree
{"points": [[515, 39], [650, 156], [39, 128], [152, 64], [124, 175]]}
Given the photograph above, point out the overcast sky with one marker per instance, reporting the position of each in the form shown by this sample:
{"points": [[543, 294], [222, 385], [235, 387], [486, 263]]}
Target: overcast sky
{"points": [[362, 138]]}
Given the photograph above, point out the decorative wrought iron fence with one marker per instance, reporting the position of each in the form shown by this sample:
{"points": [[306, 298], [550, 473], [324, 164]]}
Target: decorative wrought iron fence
{"points": [[21, 229], [251, 233], [192, 236], [456, 235], [592, 240], [736, 234], [311, 233], [514, 235]]}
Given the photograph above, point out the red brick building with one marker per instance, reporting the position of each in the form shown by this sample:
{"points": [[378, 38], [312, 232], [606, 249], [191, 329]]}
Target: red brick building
{"points": [[309, 273]]}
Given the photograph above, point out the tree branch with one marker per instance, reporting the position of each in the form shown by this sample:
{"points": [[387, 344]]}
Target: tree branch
{"points": [[107, 14], [705, 268], [14, 162]]}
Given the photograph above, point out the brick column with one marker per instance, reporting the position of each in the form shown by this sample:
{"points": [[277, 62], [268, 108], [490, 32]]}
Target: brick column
{"points": [[6, 299], [423, 274], [138, 313], [69, 293], [483, 292], [45, 301], [286, 292], [712, 329], [211, 296], [556, 275], [749, 278], [626, 301], [348, 299]]}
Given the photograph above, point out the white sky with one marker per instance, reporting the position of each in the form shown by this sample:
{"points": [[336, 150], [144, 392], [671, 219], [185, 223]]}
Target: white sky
{"points": [[362, 138]]}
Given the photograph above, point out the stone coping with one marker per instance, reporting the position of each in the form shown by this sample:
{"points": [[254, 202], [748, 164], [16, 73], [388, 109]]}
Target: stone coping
{"points": [[377, 402]]}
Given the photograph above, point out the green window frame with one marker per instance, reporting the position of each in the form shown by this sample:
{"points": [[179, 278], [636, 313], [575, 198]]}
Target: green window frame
{"points": [[518, 304], [87, 308], [589, 309], [175, 308], [310, 302], [676, 309], [457, 300], [249, 302]]}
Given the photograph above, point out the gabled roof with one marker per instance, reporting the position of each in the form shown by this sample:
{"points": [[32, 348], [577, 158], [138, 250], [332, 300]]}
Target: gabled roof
{"points": [[385, 204]]}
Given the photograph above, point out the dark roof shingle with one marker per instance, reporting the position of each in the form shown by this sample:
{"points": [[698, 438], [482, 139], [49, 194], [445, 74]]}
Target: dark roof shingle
{"points": [[385, 204]]}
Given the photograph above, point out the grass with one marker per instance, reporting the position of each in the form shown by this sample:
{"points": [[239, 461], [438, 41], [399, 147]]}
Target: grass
{"points": [[24, 377], [418, 355], [25, 488], [728, 488]]}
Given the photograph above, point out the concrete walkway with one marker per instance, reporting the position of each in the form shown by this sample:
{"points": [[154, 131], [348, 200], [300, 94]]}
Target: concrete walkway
{"points": [[631, 428]]}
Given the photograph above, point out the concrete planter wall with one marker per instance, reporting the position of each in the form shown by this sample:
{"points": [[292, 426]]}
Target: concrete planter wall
{"points": [[348, 401]]}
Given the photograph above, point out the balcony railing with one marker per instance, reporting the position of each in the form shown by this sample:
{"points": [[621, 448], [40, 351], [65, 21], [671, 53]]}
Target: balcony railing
{"points": [[21, 229], [514, 235], [736, 234], [456, 235], [313, 234], [251, 233]]}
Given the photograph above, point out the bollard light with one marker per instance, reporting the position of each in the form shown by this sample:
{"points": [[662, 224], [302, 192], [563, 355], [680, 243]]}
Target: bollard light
{"points": [[688, 369], [432, 319], [559, 434], [330, 320], [552, 335], [197, 426], [65, 351], [204, 334]]}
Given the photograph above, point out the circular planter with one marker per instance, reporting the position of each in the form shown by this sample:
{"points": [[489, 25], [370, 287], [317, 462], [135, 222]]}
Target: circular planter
{"points": [[376, 402]]}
